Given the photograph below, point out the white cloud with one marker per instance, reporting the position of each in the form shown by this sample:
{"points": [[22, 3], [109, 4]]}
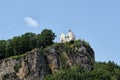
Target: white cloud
{"points": [[30, 22]]}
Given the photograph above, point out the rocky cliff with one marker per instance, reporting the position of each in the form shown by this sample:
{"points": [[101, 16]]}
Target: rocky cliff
{"points": [[35, 65]]}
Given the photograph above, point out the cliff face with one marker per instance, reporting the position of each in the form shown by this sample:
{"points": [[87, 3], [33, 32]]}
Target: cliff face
{"points": [[30, 66], [36, 64]]}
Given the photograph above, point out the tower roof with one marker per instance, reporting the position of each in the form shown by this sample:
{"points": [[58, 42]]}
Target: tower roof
{"points": [[69, 30]]}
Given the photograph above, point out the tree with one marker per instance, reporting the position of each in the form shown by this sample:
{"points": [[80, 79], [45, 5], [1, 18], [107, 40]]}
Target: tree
{"points": [[9, 49], [27, 41], [2, 48], [100, 72], [46, 38], [16, 45]]}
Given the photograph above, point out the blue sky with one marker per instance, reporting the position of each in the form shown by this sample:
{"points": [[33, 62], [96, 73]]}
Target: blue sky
{"points": [[96, 21]]}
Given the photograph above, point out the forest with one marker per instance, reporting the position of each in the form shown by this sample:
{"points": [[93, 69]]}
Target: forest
{"points": [[21, 44]]}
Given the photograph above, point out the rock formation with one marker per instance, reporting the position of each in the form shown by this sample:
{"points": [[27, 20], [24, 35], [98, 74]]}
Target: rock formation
{"points": [[35, 65]]}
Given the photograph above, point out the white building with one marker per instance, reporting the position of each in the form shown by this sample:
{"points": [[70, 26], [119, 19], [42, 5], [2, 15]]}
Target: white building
{"points": [[66, 38]]}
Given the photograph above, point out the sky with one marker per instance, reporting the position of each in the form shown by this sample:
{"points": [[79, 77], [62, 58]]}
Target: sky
{"points": [[96, 21]]}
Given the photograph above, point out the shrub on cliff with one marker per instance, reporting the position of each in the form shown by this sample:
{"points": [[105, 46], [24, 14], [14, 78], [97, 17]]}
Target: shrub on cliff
{"points": [[17, 67]]}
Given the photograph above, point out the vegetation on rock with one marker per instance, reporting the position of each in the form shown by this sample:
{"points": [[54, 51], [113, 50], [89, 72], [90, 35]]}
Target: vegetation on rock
{"points": [[17, 67], [10, 76], [101, 71], [5, 76], [26, 42]]}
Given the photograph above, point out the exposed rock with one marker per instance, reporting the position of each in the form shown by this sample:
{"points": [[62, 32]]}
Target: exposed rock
{"points": [[36, 64], [33, 66], [69, 56]]}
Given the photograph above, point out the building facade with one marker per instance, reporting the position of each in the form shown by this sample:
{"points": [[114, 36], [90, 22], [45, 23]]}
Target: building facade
{"points": [[66, 38]]}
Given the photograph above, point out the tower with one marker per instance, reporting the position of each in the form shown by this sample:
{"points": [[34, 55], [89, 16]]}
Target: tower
{"points": [[70, 35], [66, 38], [62, 38]]}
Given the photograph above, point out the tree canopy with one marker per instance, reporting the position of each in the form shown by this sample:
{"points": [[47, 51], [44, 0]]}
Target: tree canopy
{"points": [[26, 42], [101, 71]]}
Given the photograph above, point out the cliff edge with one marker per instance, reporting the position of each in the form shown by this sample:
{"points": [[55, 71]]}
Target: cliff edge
{"points": [[36, 64]]}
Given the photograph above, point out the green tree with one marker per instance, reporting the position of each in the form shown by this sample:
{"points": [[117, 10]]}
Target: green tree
{"points": [[27, 41], [2, 48], [45, 38], [9, 49], [16, 45], [100, 72]]}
